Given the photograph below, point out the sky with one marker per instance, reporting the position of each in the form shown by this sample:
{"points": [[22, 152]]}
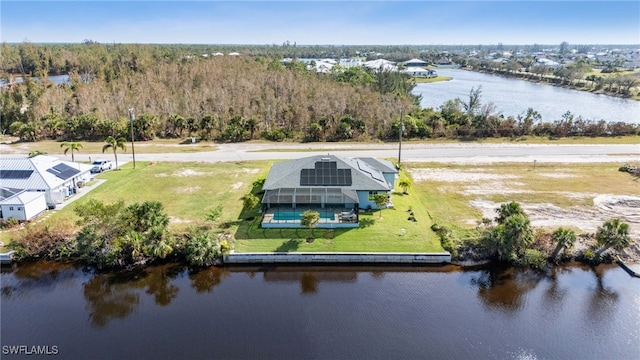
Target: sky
{"points": [[327, 22]]}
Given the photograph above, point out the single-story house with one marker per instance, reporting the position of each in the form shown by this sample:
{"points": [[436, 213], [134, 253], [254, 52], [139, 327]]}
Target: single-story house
{"points": [[415, 62], [20, 204], [336, 187], [55, 178], [420, 72]]}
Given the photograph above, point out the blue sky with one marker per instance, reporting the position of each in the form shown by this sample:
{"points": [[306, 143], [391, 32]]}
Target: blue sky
{"points": [[323, 22]]}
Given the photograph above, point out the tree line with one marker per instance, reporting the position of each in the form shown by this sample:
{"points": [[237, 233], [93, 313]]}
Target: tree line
{"points": [[242, 98]]}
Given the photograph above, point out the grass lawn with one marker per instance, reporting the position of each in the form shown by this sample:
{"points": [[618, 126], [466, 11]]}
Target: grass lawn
{"points": [[391, 232]]}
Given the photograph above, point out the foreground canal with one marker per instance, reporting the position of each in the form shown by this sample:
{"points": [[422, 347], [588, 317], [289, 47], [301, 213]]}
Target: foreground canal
{"points": [[322, 312]]}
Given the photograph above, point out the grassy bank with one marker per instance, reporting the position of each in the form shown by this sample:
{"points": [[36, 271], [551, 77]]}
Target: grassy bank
{"points": [[438, 78], [440, 194]]}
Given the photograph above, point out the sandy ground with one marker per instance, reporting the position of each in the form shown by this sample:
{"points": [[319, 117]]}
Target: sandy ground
{"points": [[544, 215]]}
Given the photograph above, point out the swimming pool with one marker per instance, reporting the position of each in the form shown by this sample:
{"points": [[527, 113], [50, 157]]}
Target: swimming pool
{"points": [[295, 215]]}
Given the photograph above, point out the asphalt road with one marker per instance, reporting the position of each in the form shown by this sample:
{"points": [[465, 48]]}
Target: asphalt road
{"points": [[448, 153]]}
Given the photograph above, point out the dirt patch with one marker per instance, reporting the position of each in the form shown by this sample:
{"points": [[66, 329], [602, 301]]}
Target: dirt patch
{"points": [[175, 220], [557, 175], [184, 173], [187, 189], [237, 186], [450, 175]]}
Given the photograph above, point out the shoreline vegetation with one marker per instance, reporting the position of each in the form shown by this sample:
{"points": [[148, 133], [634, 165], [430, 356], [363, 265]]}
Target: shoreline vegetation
{"points": [[175, 222], [592, 86]]}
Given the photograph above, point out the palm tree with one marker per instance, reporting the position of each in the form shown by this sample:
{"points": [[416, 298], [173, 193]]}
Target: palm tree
{"points": [[564, 238], [35, 153], [114, 144], [73, 146], [612, 234], [310, 219], [405, 183]]}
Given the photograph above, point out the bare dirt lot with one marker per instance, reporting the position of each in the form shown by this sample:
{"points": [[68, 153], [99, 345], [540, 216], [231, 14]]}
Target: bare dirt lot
{"points": [[480, 185]]}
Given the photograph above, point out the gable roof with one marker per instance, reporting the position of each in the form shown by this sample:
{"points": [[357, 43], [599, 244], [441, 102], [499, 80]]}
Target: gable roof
{"points": [[22, 198], [364, 174], [415, 61], [37, 173]]}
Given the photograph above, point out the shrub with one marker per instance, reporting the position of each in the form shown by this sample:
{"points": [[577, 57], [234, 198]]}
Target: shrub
{"points": [[44, 241], [534, 259]]}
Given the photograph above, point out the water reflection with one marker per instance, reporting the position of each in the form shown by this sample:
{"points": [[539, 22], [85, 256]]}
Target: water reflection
{"points": [[34, 278], [116, 295], [505, 288], [204, 280], [603, 299], [310, 280]]}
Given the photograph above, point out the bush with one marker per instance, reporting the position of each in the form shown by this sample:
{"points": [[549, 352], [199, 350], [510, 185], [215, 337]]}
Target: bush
{"points": [[40, 241], [274, 135], [534, 259]]}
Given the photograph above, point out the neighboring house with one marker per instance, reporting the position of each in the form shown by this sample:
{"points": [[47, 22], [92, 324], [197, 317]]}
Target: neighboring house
{"points": [[20, 204], [334, 186], [55, 178], [381, 65], [415, 63], [420, 72]]}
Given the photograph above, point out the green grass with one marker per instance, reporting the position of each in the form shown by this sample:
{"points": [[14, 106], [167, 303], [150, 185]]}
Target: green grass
{"points": [[392, 232], [187, 190], [431, 80]]}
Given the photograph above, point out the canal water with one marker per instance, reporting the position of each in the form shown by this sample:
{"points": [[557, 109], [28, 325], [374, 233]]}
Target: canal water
{"points": [[168, 311], [513, 97]]}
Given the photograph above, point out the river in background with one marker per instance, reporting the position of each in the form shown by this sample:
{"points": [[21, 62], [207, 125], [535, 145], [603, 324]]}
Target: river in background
{"points": [[323, 312], [513, 97]]}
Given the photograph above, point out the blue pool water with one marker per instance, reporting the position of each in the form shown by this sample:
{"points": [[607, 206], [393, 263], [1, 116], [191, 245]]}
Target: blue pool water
{"points": [[295, 215]]}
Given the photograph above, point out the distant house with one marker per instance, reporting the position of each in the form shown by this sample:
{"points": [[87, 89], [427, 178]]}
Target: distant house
{"points": [[20, 204], [381, 65], [336, 187], [420, 72], [55, 178], [415, 62]]}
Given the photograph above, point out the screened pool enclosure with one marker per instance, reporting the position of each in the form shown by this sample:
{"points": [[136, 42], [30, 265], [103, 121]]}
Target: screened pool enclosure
{"points": [[337, 206]]}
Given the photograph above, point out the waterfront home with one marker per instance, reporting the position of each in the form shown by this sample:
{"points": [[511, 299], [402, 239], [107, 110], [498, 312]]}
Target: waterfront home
{"points": [[415, 63], [55, 178], [336, 187]]}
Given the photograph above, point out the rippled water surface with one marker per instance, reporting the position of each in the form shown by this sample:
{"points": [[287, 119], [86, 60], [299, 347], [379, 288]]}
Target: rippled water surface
{"points": [[323, 312]]}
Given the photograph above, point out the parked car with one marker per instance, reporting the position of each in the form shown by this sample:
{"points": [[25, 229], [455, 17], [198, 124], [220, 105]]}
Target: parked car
{"points": [[100, 166]]}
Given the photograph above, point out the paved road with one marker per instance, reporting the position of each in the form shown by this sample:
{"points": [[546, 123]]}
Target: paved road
{"points": [[449, 153]]}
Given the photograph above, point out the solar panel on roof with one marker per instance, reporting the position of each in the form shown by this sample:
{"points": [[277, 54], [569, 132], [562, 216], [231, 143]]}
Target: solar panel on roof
{"points": [[325, 173], [15, 174], [63, 171], [371, 171]]}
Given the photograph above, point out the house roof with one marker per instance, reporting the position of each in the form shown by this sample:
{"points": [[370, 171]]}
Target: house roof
{"points": [[37, 173], [412, 69], [22, 198], [415, 61], [353, 173]]}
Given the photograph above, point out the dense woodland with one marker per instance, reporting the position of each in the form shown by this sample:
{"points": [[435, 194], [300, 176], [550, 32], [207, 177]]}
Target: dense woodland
{"points": [[177, 92]]}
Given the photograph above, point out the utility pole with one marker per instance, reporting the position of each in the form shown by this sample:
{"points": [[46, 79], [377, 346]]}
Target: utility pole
{"points": [[132, 116], [401, 130]]}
